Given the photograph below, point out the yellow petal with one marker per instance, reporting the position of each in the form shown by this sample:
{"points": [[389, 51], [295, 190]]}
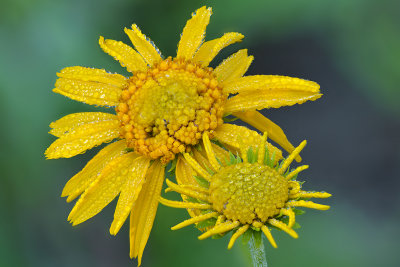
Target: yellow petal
{"points": [[94, 75], [144, 210], [220, 228], [260, 99], [185, 176], [202, 160], [237, 234], [210, 153], [103, 190], [71, 121], [143, 45], [194, 163], [82, 138], [77, 184], [91, 86], [124, 54], [263, 124], [229, 134], [184, 173], [210, 49], [130, 192], [193, 33], [234, 66], [220, 153], [270, 82]]}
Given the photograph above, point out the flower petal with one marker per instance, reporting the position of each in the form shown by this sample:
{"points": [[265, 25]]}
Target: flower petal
{"points": [[234, 66], [202, 160], [231, 134], [124, 54], [260, 99], [82, 138], [210, 49], [143, 45], [193, 33], [270, 82], [263, 124], [130, 192], [91, 86], [102, 191], [92, 74], [184, 173], [71, 121], [185, 176], [144, 210], [81, 181], [220, 153]]}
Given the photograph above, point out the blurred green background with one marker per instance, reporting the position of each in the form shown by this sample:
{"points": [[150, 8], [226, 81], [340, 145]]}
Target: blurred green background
{"points": [[351, 48]]}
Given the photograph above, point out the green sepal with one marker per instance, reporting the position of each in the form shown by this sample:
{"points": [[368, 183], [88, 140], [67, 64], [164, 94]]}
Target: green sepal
{"points": [[227, 118], [173, 165], [206, 223], [232, 159], [246, 236], [209, 170], [251, 155], [198, 147], [218, 236], [266, 156], [298, 212], [192, 199], [296, 225], [219, 161], [238, 159], [128, 149], [301, 183], [201, 181], [284, 219]]}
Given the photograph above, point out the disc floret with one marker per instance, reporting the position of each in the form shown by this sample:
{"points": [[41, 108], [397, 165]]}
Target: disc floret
{"points": [[241, 194], [248, 192], [166, 109]]}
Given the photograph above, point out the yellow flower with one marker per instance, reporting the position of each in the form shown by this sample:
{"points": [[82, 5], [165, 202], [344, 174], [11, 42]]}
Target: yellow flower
{"points": [[234, 194], [162, 110]]}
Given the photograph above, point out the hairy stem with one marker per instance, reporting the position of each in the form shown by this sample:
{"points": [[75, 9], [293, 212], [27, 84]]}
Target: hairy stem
{"points": [[257, 252]]}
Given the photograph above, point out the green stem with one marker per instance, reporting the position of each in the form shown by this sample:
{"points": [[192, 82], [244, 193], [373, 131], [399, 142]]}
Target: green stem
{"points": [[257, 253]]}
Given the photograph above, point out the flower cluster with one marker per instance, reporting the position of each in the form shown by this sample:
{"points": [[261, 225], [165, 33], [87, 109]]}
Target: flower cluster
{"points": [[166, 112]]}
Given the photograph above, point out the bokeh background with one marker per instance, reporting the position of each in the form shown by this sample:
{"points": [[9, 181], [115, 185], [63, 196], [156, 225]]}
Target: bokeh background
{"points": [[351, 48]]}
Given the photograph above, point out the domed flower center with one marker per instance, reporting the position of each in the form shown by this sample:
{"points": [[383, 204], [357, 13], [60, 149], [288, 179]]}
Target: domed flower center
{"points": [[166, 110], [248, 192]]}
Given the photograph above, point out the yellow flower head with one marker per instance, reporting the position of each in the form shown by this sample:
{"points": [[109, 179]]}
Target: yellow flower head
{"points": [[236, 194], [162, 110]]}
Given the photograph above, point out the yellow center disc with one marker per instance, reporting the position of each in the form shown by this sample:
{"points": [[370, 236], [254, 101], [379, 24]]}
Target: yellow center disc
{"points": [[248, 192], [167, 109]]}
